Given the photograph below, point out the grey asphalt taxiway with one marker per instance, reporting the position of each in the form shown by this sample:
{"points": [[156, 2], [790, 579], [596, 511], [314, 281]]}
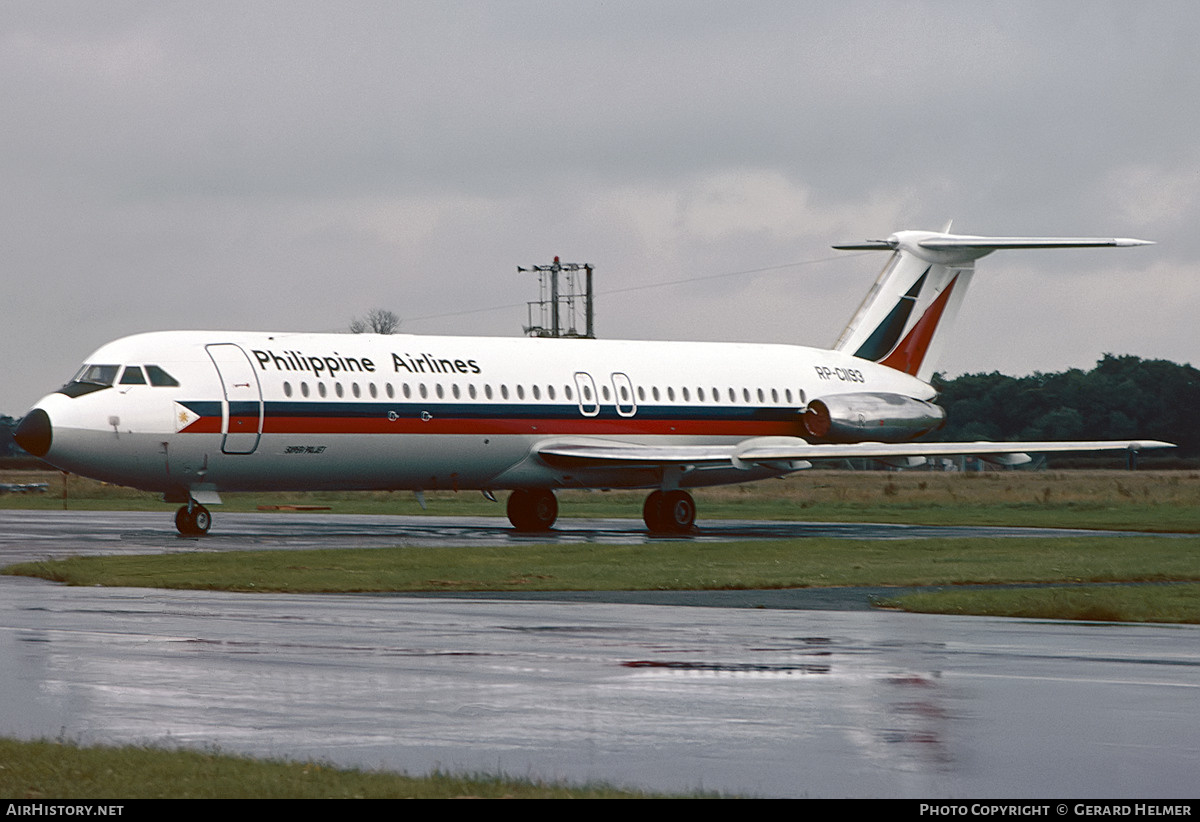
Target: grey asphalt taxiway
{"points": [[763, 701]]}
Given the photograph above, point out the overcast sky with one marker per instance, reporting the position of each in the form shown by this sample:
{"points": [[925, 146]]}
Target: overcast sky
{"points": [[291, 165]]}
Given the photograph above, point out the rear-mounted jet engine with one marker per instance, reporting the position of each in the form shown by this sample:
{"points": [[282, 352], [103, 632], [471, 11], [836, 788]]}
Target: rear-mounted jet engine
{"points": [[871, 417]]}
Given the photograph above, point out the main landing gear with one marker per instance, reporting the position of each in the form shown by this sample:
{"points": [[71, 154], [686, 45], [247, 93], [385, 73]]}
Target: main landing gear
{"points": [[193, 520], [669, 512], [532, 509], [665, 512]]}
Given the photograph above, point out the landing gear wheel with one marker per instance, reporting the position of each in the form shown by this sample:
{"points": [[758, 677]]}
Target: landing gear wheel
{"points": [[532, 509], [669, 512], [652, 513], [679, 511], [194, 523]]}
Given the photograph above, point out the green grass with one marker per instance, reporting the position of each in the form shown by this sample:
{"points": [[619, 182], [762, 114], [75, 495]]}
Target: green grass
{"points": [[660, 565], [44, 770], [1123, 500], [1133, 603]]}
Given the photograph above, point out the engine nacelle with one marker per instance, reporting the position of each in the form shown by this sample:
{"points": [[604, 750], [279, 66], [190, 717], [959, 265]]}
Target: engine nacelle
{"points": [[871, 417]]}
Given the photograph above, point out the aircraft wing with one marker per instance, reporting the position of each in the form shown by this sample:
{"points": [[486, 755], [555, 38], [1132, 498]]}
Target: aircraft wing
{"points": [[630, 454], [783, 451]]}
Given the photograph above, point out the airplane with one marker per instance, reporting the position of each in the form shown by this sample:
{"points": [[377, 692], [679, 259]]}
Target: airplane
{"points": [[192, 414]]}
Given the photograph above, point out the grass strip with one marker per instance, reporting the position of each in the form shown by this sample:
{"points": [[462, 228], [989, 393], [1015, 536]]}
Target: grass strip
{"points": [[1123, 500], [1108, 603], [665, 565], [44, 770]]}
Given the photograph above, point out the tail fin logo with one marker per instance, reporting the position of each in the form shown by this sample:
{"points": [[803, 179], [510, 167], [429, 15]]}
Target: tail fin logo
{"points": [[910, 353], [885, 335]]}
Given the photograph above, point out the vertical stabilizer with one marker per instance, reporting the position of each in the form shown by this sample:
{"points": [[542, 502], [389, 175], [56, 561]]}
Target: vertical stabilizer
{"points": [[904, 321]]}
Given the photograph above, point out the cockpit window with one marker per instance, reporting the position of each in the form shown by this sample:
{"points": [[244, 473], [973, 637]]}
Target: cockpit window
{"points": [[160, 377], [133, 376], [90, 378], [98, 377], [98, 374]]}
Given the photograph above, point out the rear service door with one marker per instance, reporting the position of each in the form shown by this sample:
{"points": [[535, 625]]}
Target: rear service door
{"points": [[242, 405]]}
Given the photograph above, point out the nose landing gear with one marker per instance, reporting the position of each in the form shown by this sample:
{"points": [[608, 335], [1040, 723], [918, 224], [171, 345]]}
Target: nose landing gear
{"points": [[193, 520]]}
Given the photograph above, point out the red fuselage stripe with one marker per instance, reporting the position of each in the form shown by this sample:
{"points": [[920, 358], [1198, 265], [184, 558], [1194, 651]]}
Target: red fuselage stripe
{"points": [[625, 426]]}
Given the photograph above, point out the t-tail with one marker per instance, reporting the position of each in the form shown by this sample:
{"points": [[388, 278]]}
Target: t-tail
{"points": [[903, 321]]}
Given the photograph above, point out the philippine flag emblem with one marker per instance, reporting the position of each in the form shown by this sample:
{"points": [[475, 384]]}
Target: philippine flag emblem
{"points": [[184, 417]]}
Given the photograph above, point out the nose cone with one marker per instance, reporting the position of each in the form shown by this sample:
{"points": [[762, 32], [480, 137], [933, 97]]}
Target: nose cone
{"points": [[34, 434]]}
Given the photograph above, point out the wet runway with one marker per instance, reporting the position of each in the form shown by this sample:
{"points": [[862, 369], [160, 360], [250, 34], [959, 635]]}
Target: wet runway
{"points": [[51, 534], [757, 701]]}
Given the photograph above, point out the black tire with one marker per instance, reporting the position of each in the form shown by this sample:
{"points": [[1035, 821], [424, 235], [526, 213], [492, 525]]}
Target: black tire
{"points": [[183, 522], [532, 510], [652, 513], [194, 523]]}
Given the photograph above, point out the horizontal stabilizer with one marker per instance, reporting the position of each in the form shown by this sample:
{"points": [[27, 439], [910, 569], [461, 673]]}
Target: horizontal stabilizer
{"points": [[931, 241], [867, 245], [949, 241]]}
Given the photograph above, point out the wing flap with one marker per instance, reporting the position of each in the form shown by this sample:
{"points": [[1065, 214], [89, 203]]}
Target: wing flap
{"points": [[793, 451], [881, 450], [628, 454]]}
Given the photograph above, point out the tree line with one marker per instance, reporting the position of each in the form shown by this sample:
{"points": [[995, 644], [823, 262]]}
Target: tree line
{"points": [[1123, 397]]}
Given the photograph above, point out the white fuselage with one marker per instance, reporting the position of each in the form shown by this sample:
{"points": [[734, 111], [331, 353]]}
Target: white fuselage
{"points": [[339, 411]]}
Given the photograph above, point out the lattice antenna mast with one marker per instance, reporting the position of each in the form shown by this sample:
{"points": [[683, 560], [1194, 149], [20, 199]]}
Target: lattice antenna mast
{"points": [[561, 297]]}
